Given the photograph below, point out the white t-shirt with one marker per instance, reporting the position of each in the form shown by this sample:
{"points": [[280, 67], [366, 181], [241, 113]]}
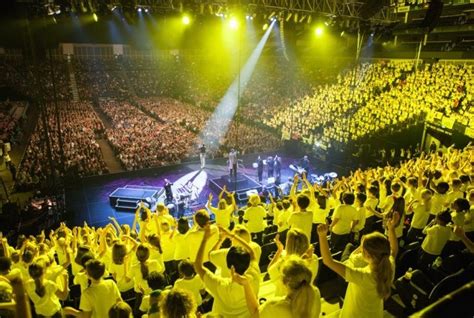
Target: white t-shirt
{"points": [[195, 238], [99, 298], [438, 203], [256, 219], [47, 305], [229, 297], [193, 285], [82, 280], [280, 307], [372, 204], [320, 215], [361, 218], [124, 283], [219, 259], [420, 217], [141, 285], [302, 221], [282, 219], [346, 215], [223, 217], [361, 299], [181, 250], [168, 246], [436, 238]]}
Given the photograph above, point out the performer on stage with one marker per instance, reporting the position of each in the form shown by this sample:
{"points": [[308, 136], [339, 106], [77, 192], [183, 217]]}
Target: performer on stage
{"points": [[305, 164], [260, 169], [270, 166], [277, 169], [202, 155], [168, 191], [233, 163]]}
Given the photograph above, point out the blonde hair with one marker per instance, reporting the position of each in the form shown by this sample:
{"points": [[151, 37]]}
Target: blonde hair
{"points": [[254, 200], [177, 303], [377, 247], [297, 242], [243, 232], [296, 277]]}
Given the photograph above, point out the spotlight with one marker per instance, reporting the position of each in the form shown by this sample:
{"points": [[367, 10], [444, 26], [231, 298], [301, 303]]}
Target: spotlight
{"points": [[186, 20], [146, 10], [95, 17], [265, 27], [233, 23], [342, 33], [318, 31], [139, 9]]}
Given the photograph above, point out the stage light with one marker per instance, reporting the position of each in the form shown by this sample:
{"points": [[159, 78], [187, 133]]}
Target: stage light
{"points": [[139, 9], [319, 31], [146, 10], [265, 27], [186, 20], [233, 23], [342, 33], [95, 17]]}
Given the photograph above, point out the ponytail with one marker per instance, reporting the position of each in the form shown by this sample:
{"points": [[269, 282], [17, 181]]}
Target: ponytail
{"points": [[297, 278], [36, 271], [383, 276], [302, 300], [143, 253]]}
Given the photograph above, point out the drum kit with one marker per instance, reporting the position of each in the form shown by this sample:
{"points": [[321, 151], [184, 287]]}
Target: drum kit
{"points": [[321, 179]]}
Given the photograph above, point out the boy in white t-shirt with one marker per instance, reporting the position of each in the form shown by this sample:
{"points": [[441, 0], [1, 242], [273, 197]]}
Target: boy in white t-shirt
{"points": [[99, 297], [437, 235], [342, 222], [229, 297], [190, 281]]}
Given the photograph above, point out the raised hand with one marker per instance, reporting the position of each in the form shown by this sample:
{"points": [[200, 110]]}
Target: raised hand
{"points": [[278, 243], [239, 279], [323, 229]]}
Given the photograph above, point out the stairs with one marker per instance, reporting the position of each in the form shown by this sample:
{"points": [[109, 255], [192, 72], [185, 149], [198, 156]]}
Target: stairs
{"points": [[109, 157], [72, 82]]}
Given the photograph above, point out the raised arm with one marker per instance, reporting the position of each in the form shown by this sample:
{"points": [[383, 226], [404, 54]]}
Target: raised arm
{"points": [[334, 265], [198, 263], [250, 298]]}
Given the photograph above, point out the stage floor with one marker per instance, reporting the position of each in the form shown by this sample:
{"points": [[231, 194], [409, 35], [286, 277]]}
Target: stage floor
{"points": [[88, 200]]}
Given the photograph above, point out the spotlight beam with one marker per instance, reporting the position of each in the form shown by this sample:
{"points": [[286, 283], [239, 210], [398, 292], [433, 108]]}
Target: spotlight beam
{"points": [[217, 126]]}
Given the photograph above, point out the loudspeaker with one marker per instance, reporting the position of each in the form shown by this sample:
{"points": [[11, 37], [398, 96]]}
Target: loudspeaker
{"points": [[433, 14]]}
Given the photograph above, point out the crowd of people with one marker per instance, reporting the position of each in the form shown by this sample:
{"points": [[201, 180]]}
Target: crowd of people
{"points": [[11, 113], [141, 141], [360, 227], [74, 152], [376, 99]]}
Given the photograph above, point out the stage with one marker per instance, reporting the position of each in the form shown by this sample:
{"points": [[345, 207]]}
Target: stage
{"points": [[89, 199]]}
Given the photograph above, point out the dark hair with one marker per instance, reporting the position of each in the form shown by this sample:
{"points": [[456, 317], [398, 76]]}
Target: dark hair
{"points": [[27, 256], [119, 251], [81, 250], [360, 187], [444, 217], [388, 186], [120, 310], [143, 253], [361, 197], [155, 241], [36, 271], [186, 268], [143, 214], [5, 264], [286, 204], [20, 240], [457, 182], [156, 280], [239, 258], [374, 191], [396, 187], [348, 198], [322, 201], [413, 181], [437, 174], [95, 269], [442, 187], [303, 201], [183, 225], [201, 217], [462, 204], [465, 178], [85, 258]]}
